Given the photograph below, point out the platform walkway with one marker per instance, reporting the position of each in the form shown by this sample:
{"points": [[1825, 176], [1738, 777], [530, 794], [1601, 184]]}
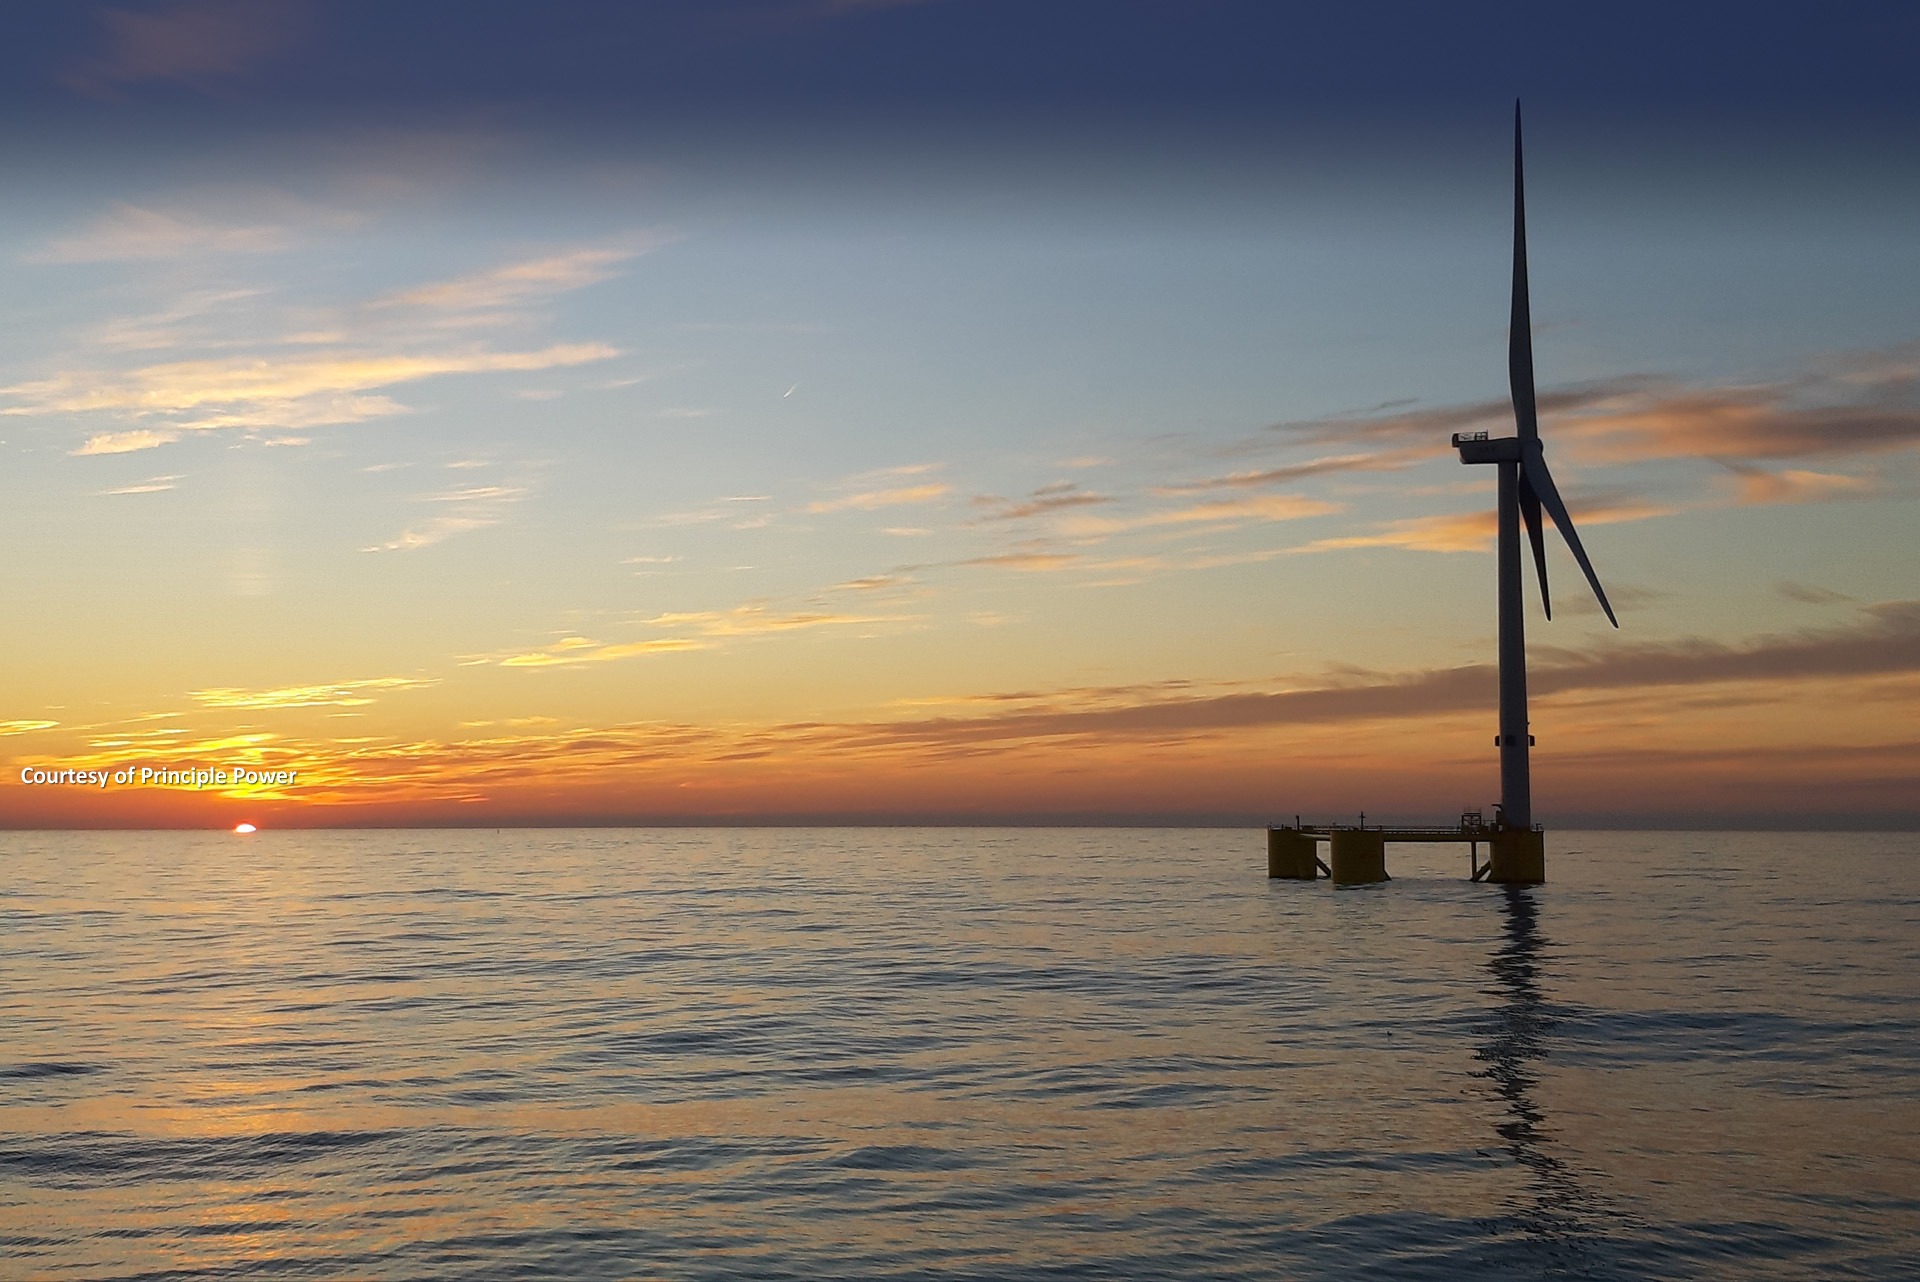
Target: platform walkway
{"points": [[1356, 854]]}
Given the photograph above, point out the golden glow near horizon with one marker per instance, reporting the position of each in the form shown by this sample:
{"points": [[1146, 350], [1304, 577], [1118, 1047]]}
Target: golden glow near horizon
{"points": [[404, 493]]}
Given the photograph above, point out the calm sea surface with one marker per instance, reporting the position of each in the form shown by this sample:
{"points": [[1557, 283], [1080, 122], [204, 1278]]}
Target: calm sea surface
{"points": [[940, 1053]]}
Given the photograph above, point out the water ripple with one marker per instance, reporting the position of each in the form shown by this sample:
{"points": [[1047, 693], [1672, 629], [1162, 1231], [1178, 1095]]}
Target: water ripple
{"points": [[893, 1054]]}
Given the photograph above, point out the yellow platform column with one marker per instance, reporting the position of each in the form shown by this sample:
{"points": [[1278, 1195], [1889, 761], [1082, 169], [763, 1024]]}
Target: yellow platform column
{"points": [[1290, 854], [1358, 856], [1517, 856]]}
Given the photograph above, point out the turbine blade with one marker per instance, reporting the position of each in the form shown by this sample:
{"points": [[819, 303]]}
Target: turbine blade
{"points": [[1520, 317], [1533, 466], [1530, 513]]}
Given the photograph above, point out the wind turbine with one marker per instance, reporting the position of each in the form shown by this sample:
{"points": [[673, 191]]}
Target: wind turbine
{"points": [[1525, 487]]}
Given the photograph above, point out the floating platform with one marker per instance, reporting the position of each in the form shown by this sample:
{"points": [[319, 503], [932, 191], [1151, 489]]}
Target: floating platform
{"points": [[1357, 854]]}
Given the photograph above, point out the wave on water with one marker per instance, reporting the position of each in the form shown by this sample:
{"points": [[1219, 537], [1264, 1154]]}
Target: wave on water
{"points": [[945, 1054]]}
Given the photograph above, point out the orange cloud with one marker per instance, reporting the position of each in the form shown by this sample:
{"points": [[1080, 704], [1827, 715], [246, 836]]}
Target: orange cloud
{"points": [[518, 283], [344, 694], [1380, 461], [1680, 728], [1754, 423], [707, 625], [1043, 501], [1458, 532], [1268, 507], [1430, 427], [130, 232], [1475, 531], [126, 442], [1758, 487], [1862, 404], [1031, 561], [182, 386], [747, 620], [872, 499], [873, 583], [580, 650]]}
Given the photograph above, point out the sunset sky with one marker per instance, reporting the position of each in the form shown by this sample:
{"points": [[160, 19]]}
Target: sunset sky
{"points": [[789, 410]]}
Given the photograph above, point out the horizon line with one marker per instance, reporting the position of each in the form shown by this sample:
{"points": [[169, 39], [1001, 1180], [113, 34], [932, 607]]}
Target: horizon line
{"points": [[1890, 824]]}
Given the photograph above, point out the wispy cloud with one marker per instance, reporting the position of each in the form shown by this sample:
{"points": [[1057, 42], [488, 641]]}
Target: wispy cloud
{"points": [[580, 650], [292, 371], [172, 325], [1757, 486], [1474, 531], [1622, 596], [202, 44], [345, 694], [1214, 512], [153, 485], [749, 620], [873, 583], [477, 297], [708, 628], [292, 392], [473, 507], [1857, 405], [251, 392], [1036, 562], [1741, 424], [1810, 593], [1048, 499], [1453, 532], [1427, 429], [872, 499], [478, 494], [270, 222], [1883, 638], [141, 438], [1378, 461], [427, 533]]}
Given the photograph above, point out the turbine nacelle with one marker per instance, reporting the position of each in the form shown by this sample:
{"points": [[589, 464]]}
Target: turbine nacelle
{"points": [[1474, 447], [1536, 491]]}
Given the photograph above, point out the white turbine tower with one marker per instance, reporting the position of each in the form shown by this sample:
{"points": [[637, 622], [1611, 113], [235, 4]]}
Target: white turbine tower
{"points": [[1525, 487]]}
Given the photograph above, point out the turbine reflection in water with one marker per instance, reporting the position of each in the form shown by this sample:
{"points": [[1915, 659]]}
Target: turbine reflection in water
{"points": [[1561, 1213]]}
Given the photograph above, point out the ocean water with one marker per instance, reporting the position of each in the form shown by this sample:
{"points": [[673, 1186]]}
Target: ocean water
{"points": [[946, 1054]]}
